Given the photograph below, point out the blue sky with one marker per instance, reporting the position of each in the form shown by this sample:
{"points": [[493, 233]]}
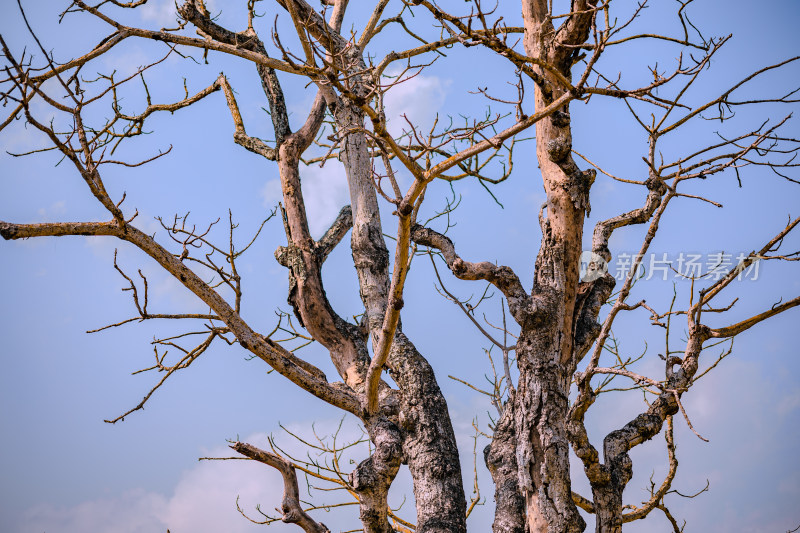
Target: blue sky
{"points": [[64, 470]]}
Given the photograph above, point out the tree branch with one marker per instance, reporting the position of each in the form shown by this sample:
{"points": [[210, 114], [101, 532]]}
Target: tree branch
{"points": [[285, 362], [739, 327], [293, 513], [521, 305], [335, 234]]}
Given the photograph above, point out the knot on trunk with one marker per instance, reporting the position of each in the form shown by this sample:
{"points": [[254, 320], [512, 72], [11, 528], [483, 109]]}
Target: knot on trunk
{"points": [[558, 149], [560, 119], [375, 473]]}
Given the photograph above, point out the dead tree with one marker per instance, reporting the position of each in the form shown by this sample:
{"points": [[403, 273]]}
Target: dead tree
{"points": [[560, 328]]}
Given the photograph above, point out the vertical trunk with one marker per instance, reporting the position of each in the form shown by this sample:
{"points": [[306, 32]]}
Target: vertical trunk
{"points": [[373, 476], [429, 444], [608, 507], [501, 460], [542, 446], [370, 256], [307, 294], [545, 351]]}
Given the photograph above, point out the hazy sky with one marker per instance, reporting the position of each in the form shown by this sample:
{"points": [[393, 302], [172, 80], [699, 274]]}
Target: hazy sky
{"points": [[63, 470]]}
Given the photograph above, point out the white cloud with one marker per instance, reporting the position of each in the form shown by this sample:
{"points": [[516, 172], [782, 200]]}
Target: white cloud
{"points": [[325, 189], [162, 12], [126, 64], [789, 403], [131, 512], [418, 100], [103, 246], [204, 498], [19, 138], [171, 295], [324, 192], [47, 214]]}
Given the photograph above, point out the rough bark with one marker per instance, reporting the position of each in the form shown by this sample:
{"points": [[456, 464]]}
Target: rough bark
{"points": [[373, 476], [429, 441], [545, 355], [307, 294], [528, 457], [370, 256], [430, 444], [501, 459], [608, 489], [542, 447]]}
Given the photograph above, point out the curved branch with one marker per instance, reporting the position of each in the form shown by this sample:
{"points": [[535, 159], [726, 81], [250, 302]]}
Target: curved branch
{"points": [[293, 513], [604, 229], [659, 494], [315, 25], [735, 329], [240, 137], [335, 234], [521, 305], [123, 32], [282, 360], [708, 294]]}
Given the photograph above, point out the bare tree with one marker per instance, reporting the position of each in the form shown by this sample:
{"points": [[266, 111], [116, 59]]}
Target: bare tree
{"points": [[558, 330]]}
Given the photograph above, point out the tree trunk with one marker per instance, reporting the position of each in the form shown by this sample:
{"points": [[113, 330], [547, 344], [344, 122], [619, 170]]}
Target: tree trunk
{"points": [[542, 447], [545, 350], [501, 460], [429, 444]]}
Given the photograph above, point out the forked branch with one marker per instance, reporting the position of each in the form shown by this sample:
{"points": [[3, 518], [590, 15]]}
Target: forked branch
{"points": [[293, 513]]}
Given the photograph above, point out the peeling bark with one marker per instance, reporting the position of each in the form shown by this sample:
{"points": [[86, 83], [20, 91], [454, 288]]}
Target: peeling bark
{"points": [[545, 348]]}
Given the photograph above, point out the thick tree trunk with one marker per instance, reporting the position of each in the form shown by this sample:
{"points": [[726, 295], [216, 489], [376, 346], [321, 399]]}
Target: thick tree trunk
{"points": [[542, 446], [429, 444], [608, 506], [529, 455], [501, 460], [545, 350], [373, 476], [370, 256]]}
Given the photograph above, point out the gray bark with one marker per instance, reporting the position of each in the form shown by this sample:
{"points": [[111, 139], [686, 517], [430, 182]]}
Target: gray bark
{"points": [[501, 460], [430, 443]]}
